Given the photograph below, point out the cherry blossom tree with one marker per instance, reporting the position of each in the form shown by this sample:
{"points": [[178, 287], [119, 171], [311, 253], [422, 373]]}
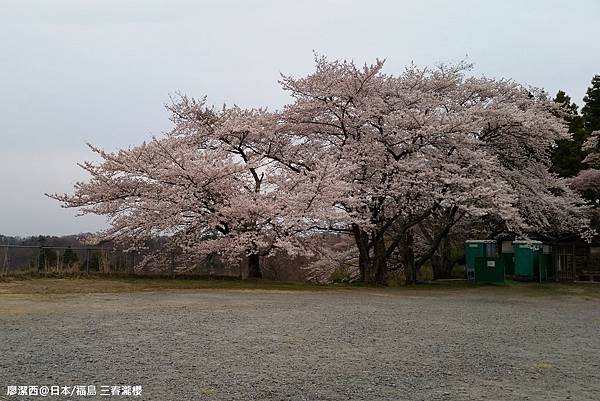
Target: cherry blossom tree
{"points": [[429, 142], [220, 182], [203, 185], [587, 181]]}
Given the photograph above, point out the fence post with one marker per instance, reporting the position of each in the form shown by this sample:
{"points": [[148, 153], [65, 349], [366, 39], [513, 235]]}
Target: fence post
{"points": [[6, 260], [87, 261]]}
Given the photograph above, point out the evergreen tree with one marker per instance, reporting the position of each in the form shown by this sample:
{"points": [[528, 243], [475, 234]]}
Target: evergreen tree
{"points": [[94, 262], [587, 182], [591, 109], [69, 257], [47, 257], [567, 156]]}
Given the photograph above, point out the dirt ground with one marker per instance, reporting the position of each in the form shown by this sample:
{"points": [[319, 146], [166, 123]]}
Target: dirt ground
{"points": [[355, 344]]}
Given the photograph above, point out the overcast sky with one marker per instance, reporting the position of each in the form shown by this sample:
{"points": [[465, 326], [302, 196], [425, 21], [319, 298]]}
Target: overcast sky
{"points": [[100, 71]]}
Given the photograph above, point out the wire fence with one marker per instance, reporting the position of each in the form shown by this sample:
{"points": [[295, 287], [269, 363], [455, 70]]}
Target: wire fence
{"points": [[16, 259], [48, 260]]}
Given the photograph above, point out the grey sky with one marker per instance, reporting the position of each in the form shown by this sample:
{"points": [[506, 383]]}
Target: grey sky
{"points": [[73, 71]]}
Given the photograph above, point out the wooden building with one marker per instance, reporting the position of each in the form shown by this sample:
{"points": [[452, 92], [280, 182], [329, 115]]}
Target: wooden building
{"points": [[575, 259]]}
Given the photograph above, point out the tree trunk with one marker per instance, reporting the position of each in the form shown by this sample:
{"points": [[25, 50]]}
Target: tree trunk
{"points": [[372, 268], [441, 262], [254, 266], [450, 219], [410, 268], [364, 261], [380, 261]]}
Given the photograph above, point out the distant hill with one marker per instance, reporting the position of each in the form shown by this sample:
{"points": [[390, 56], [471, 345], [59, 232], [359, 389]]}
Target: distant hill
{"points": [[75, 240]]}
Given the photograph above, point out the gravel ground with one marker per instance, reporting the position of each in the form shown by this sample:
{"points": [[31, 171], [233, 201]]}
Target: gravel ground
{"points": [[268, 345]]}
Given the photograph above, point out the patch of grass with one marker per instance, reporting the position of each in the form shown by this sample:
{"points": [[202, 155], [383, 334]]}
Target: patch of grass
{"points": [[512, 287], [207, 391], [341, 275], [106, 284], [542, 365], [77, 284]]}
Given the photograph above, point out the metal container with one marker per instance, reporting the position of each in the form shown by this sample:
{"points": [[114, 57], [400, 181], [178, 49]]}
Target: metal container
{"points": [[477, 248], [489, 270], [528, 255]]}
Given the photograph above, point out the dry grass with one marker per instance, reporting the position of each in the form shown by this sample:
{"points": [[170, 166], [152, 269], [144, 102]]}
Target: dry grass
{"points": [[96, 284]]}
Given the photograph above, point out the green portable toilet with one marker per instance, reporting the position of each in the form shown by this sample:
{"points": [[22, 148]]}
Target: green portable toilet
{"points": [[527, 259], [477, 248], [508, 258], [489, 270]]}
